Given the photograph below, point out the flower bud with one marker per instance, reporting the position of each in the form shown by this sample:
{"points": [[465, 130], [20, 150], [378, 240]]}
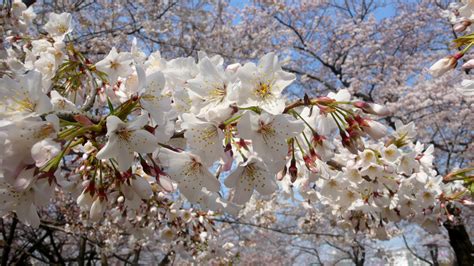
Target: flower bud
{"points": [[293, 170], [469, 64], [141, 187], [348, 143], [462, 26], [166, 183], [309, 161], [325, 100], [444, 65], [375, 129], [84, 200], [281, 174], [372, 108], [97, 209], [228, 158], [120, 199]]}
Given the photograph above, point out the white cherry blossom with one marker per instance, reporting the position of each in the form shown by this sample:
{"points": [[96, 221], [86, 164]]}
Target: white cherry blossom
{"points": [[212, 87], [262, 85], [152, 97], [269, 133], [59, 25], [124, 139], [204, 138], [116, 65], [23, 97], [189, 172], [251, 175]]}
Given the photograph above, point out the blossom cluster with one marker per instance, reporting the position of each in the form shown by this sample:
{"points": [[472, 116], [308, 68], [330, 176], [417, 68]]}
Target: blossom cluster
{"points": [[461, 15], [119, 133]]}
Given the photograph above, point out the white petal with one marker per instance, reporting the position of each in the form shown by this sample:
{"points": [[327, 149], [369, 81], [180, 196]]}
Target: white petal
{"points": [[28, 214], [142, 187], [243, 191], [274, 107], [265, 185], [138, 123], [155, 83], [232, 179], [267, 64], [113, 123], [125, 156], [247, 125], [166, 184], [287, 126], [143, 141], [110, 149]]}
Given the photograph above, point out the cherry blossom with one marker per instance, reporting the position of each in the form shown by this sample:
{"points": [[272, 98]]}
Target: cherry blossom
{"points": [[262, 84], [124, 139], [269, 133], [143, 142], [189, 172], [251, 174], [59, 25], [116, 65]]}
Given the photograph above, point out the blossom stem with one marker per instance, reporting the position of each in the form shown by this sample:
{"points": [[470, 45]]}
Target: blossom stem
{"points": [[295, 113], [337, 122], [299, 147], [231, 120]]}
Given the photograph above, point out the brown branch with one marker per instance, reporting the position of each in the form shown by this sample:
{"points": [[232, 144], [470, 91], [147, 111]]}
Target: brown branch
{"points": [[275, 229], [320, 80], [82, 251], [413, 252], [9, 241]]}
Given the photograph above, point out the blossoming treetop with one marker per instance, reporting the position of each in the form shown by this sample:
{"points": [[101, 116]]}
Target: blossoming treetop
{"points": [[128, 131]]}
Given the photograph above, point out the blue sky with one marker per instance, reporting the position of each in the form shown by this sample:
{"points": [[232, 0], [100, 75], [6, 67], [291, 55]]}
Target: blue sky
{"points": [[385, 12]]}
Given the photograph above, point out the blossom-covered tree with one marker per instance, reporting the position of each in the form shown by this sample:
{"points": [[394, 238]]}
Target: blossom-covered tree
{"points": [[126, 116]]}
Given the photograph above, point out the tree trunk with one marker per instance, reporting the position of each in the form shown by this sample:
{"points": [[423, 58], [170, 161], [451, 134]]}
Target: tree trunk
{"points": [[82, 251], [460, 242]]}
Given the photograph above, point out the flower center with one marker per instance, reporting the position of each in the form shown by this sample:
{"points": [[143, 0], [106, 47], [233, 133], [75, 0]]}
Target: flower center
{"points": [[62, 29], [192, 168], [266, 130], [427, 195], [44, 131], [250, 171], [114, 65], [263, 90], [218, 93], [124, 134]]}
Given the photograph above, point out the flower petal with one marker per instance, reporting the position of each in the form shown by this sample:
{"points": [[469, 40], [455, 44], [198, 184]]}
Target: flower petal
{"points": [[143, 141]]}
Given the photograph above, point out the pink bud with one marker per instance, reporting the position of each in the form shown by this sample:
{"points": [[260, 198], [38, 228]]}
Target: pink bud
{"points": [[444, 65], [281, 174], [309, 161], [349, 143], [372, 108], [293, 170], [84, 120], [469, 64], [228, 158], [325, 100], [462, 26]]}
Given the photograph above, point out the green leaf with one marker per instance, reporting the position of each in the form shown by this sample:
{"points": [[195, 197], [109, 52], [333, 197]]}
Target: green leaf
{"points": [[111, 106]]}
